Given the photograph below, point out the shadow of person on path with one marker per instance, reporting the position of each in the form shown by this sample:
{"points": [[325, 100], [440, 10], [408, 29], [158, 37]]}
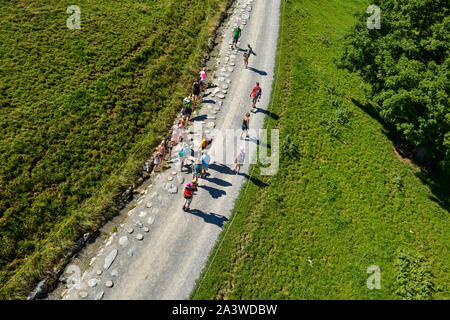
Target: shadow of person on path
{"points": [[212, 218], [221, 168], [202, 117], [218, 181], [214, 192]]}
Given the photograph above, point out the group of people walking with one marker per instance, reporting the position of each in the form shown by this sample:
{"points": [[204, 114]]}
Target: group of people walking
{"points": [[201, 158]]}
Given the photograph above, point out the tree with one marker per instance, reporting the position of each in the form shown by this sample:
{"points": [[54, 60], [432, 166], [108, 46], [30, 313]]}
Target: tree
{"points": [[407, 63]]}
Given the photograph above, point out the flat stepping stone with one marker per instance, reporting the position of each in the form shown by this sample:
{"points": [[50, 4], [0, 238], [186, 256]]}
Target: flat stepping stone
{"points": [[170, 178], [109, 284], [180, 178], [130, 230], [93, 282], [211, 125], [151, 220], [140, 237], [221, 96], [146, 229], [110, 259], [83, 294], [115, 273], [148, 204], [98, 272]]}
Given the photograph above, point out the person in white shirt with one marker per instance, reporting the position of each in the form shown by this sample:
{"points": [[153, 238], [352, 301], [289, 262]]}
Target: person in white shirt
{"points": [[239, 160]]}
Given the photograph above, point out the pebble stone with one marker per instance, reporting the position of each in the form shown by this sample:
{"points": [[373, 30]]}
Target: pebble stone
{"points": [[109, 283], [115, 273], [130, 230], [99, 296], [98, 272], [131, 252], [146, 229], [148, 205], [170, 178], [151, 220], [140, 237], [83, 294]]}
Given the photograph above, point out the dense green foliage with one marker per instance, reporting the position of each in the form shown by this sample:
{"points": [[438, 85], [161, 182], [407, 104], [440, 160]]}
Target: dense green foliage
{"points": [[342, 200], [407, 63], [414, 279], [75, 103]]}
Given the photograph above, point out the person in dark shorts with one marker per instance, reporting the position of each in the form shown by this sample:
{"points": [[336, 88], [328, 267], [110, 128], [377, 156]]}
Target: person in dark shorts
{"points": [[247, 54], [188, 195], [246, 125], [187, 108], [236, 34], [196, 90]]}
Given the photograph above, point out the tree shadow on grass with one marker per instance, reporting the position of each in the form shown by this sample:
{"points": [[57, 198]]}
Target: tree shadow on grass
{"points": [[219, 182], [430, 174], [254, 180], [212, 218]]}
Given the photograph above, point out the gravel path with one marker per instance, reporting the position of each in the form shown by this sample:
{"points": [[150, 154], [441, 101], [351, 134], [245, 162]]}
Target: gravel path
{"points": [[160, 251]]}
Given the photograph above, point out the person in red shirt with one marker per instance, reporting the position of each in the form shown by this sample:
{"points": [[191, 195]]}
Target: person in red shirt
{"points": [[256, 94], [188, 194]]}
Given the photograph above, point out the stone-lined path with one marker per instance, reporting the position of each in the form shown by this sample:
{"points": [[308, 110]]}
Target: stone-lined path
{"points": [[159, 251]]}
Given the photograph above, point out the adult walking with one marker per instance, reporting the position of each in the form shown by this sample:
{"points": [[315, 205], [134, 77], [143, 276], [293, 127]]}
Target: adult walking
{"points": [[188, 195], [236, 34], [245, 125], [239, 160], [255, 95], [205, 159], [187, 109]]}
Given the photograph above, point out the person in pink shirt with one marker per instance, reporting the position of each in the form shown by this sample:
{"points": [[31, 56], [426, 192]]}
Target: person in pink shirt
{"points": [[203, 79]]}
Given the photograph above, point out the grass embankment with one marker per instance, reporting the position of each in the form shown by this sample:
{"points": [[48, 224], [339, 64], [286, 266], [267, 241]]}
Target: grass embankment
{"points": [[342, 199], [79, 112]]}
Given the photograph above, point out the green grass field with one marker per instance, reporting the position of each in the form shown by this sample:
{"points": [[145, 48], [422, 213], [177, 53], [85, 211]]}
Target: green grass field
{"points": [[342, 199], [80, 111]]}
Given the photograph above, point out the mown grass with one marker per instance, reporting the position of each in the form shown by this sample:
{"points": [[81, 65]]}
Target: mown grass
{"points": [[342, 199], [79, 112]]}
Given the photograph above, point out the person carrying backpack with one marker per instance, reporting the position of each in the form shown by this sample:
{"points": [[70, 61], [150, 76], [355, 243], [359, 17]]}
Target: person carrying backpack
{"points": [[256, 94], [236, 35], [239, 160], [188, 195]]}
